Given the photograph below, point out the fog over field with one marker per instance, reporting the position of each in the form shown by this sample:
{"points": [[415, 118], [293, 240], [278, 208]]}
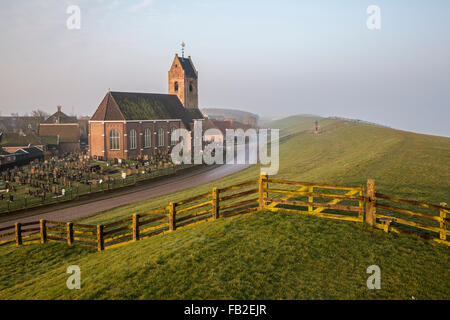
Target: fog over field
{"points": [[271, 58]]}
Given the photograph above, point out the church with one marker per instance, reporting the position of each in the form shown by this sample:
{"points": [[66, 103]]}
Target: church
{"points": [[129, 125]]}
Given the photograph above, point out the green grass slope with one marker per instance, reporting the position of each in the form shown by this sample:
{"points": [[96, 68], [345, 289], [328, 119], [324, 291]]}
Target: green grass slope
{"points": [[256, 256], [266, 255]]}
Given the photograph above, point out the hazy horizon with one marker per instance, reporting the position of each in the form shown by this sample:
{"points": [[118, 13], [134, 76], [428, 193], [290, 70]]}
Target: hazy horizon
{"points": [[274, 59]]}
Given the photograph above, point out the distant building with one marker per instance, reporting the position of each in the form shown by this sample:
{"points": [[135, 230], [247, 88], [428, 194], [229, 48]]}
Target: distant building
{"points": [[20, 157], [224, 125], [63, 137], [60, 132], [211, 135], [19, 140], [60, 117]]}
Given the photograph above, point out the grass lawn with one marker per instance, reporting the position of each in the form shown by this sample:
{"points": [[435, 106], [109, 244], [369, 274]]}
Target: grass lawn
{"points": [[267, 255], [256, 256]]}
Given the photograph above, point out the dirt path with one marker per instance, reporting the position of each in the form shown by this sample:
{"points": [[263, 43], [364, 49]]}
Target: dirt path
{"points": [[85, 208]]}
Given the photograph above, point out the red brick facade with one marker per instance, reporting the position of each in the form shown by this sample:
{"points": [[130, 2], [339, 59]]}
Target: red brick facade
{"points": [[100, 144]]}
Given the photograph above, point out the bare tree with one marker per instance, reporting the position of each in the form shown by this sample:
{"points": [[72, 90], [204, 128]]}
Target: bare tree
{"points": [[39, 115]]}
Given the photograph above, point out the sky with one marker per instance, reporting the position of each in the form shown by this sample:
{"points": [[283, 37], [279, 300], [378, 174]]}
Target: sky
{"points": [[273, 58]]}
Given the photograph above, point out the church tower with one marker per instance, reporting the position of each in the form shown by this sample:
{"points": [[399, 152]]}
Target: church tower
{"points": [[183, 80]]}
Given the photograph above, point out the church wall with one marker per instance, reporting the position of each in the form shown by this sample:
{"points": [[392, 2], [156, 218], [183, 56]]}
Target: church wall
{"points": [[96, 140]]}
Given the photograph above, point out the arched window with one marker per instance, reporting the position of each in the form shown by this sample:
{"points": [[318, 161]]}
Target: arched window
{"points": [[114, 140], [132, 139], [160, 137], [176, 85], [190, 87], [172, 142], [147, 138]]}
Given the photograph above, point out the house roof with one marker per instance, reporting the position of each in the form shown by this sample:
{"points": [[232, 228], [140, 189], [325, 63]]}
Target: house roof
{"points": [[143, 106], [60, 117], [11, 139], [30, 150], [69, 132], [188, 67]]}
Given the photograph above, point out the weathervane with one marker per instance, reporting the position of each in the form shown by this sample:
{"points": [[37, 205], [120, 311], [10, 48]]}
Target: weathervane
{"points": [[182, 48]]}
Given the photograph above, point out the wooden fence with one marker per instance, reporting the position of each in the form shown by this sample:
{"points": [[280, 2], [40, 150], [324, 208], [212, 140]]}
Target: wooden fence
{"points": [[342, 202]]}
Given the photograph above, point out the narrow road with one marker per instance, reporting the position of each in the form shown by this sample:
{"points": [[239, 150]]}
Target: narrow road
{"points": [[85, 208]]}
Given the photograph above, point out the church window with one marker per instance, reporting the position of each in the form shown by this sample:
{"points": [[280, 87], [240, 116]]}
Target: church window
{"points": [[172, 142], [147, 138], [176, 85], [114, 140], [132, 139], [160, 137], [190, 87]]}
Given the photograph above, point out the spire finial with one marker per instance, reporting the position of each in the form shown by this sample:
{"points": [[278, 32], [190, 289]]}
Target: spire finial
{"points": [[182, 48]]}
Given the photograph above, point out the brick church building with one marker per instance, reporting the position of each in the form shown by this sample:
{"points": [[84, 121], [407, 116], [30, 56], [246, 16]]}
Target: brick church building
{"points": [[129, 125]]}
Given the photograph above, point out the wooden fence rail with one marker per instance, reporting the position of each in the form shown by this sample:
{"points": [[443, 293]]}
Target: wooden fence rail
{"points": [[342, 202]]}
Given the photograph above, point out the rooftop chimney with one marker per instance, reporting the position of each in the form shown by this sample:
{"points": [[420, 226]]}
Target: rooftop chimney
{"points": [[59, 108]]}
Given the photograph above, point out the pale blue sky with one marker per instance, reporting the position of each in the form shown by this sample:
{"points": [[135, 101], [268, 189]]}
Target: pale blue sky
{"points": [[274, 58]]}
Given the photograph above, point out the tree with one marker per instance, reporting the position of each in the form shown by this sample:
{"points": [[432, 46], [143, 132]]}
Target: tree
{"points": [[39, 115]]}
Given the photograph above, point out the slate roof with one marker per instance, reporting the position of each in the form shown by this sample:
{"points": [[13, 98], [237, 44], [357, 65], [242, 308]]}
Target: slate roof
{"points": [[143, 106], [188, 67], [195, 113]]}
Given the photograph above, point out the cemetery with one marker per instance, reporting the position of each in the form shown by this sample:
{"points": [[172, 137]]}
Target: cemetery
{"points": [[57, 179]]}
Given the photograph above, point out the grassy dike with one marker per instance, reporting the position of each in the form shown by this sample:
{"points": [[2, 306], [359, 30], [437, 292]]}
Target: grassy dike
{"points": [[266, 255]]}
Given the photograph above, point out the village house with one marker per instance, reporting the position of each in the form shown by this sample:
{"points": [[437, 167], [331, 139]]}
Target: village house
{"points": [[128, 125], [60, 132]]}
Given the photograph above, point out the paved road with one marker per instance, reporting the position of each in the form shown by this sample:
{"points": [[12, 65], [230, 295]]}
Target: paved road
{"points": [[108, 201]]}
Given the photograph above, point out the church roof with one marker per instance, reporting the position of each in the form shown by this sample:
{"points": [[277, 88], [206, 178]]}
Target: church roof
{"points": [[143, 106], [188, 67]]}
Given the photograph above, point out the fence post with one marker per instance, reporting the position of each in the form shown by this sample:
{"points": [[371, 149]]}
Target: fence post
{"points": [[262, 190], [370, 203], [43, 225], [100, 241], [18, 229], [215, 203], [442, 224], [361, 204], [135, 227], [310, 198], [69, 233], [172, 217]]}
